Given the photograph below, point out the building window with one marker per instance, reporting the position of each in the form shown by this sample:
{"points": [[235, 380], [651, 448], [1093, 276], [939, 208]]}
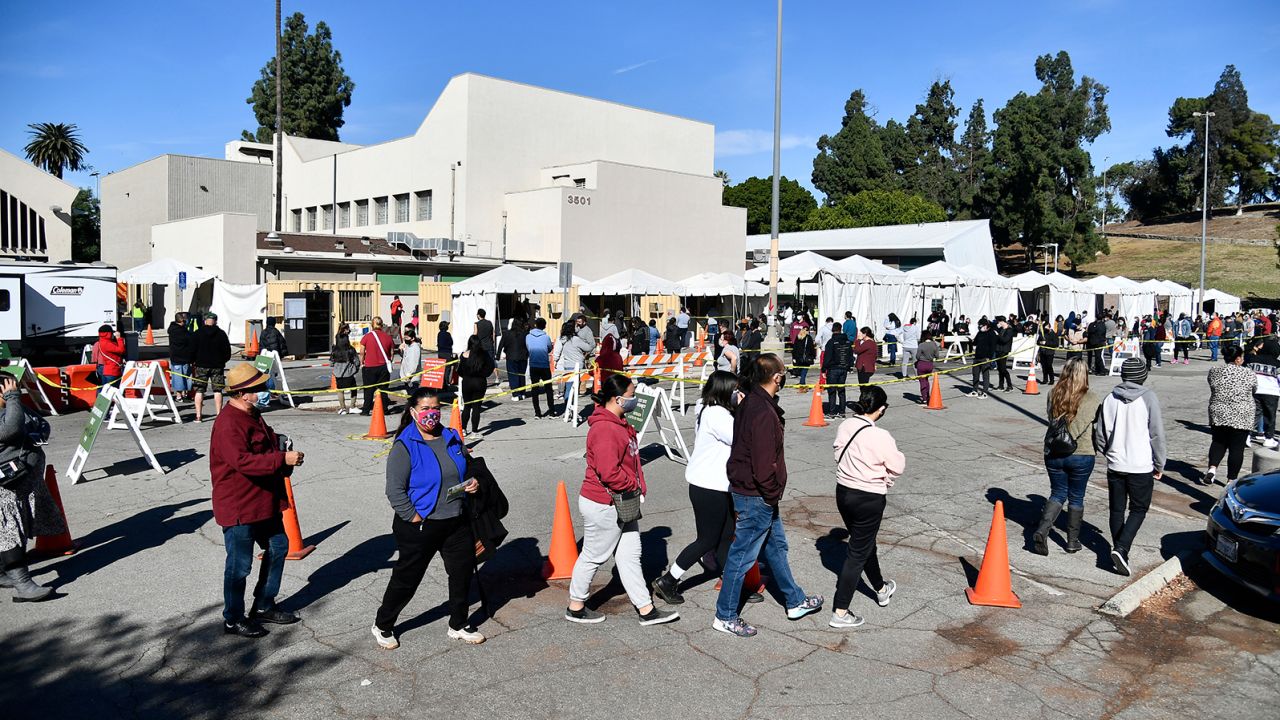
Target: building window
{"points": [[344, 214], [423, 198], [380, 210], [326, 212], [362, 213], [402, 208], [297, 220], [311, 218], [580, 182]]}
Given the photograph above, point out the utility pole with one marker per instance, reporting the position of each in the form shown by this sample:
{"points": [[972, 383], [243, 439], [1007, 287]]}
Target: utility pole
{"points": [[1106, 198], [777, 164], [277, 159], [1204, 210]]}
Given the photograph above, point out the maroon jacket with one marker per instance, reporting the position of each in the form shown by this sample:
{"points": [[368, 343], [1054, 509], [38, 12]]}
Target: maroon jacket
{"points": [[757, 463], [865, 352], [613, 458], [247, 468]]}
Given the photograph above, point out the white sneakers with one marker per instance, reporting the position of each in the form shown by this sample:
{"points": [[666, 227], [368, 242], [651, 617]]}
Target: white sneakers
{"points": [[468, 635], [387, 641], [886, 592]]}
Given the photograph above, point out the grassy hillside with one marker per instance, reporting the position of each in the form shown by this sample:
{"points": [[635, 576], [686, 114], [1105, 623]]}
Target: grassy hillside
{"points": [[1242, 270]]}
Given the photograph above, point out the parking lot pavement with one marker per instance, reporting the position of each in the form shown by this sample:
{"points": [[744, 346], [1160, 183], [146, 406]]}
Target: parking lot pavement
{"points": [[135, 631]]}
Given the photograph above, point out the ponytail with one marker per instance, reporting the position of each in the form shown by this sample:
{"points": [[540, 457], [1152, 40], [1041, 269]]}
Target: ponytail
{"points": [[872, 399]]}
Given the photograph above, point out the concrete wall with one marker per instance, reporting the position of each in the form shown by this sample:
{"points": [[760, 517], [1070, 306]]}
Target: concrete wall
{"points": [[133, 200], [203, 186], [222, 244], [26, 184]]}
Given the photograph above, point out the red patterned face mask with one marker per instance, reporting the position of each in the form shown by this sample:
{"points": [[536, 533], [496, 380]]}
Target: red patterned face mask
{"points": [[428, 419]]}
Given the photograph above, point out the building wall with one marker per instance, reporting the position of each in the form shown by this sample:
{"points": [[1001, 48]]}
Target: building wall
{"points": [[222, 244], [29, 194], [202, 186], [133, 200]]}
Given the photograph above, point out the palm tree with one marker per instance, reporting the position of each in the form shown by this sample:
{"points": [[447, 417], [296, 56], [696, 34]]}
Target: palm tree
{"points": [[55, 146]]}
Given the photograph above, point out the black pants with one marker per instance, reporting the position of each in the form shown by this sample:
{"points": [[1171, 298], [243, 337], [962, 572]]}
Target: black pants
{"points": [[1183, 345], [373, 376], [836, 395], [862, 512], [1148, 353], [982, 375], [417, 543], [1002, 370], [713, 521], [472, 398], [1134, 491], [1046, 366], [1230, 442], [1267, 411], [537, 375], [1095, 359], [864, 377]]}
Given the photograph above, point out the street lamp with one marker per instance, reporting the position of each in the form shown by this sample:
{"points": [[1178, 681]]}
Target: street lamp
{"points": [[777, 162], [1105, 197], [1204, 209], [1046, 246]]}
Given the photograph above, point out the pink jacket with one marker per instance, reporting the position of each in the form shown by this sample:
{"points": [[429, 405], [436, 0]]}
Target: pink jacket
{"points": [[872, 460]]}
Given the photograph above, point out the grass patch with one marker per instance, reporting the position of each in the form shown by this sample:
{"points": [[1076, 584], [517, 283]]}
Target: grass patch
{"points": [[1244, 270]]}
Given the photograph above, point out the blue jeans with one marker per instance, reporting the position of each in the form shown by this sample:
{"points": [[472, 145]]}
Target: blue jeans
{"points": [[1213, 349], [515, 375], [239, 541], [758, 526], [180, 377], [891, 344], [1068, 477]]}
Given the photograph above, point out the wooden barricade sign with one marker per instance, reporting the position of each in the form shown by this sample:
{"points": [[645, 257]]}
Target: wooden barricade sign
{"points": [[107, 400]]}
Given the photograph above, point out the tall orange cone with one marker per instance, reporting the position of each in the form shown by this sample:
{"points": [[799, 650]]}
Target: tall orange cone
{"points": [[251, 347], [378, 421], [753, 582], [595, 379], [935, 395], [564, 542], [150, 338], [61, 544], [292, 529], [1033, 387], [816, 418], [994, 585], [333, 381], [455, 417]]}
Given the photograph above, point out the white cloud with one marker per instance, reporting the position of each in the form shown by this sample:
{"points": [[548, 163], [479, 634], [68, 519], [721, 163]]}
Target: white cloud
{"points": [[637, 66], [731, 143]]}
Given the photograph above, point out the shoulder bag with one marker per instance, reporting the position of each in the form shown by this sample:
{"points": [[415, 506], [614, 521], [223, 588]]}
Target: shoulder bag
{"points": [[626, 503], [1058, 440], [846, 445]]}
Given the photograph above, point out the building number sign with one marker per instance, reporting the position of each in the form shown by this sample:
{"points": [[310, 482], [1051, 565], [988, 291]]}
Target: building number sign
{"points": [[578, 200]]}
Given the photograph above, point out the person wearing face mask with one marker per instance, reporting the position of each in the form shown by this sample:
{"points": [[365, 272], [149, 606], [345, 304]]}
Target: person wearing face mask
{"points": [[345, 361], [613, 474], [426, 486], [867, 461], [729, 355]]}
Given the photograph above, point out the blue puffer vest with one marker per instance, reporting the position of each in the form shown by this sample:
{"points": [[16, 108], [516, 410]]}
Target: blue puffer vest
{"points": [[424, 469]]}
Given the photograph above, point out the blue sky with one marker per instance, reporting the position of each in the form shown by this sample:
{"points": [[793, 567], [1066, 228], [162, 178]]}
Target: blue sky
{"points": [[146, 78]]}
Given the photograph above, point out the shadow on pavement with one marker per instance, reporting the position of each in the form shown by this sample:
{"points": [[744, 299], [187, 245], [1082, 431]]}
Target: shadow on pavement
{"points": [[170, 460], [138, 533], [1229, 593], [99, 667]]}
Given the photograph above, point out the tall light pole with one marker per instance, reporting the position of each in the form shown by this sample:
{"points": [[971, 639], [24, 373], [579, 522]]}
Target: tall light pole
{"points": [[279, 160], [777, 169], [1105, 197], [1204, 210]]}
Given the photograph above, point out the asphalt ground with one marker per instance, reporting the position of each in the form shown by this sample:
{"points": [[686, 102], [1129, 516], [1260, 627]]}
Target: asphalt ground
{"points": [[135, 629]]}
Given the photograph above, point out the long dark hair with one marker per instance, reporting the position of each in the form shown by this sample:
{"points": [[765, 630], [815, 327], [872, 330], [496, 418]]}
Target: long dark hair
{"points": [[406, 418], [872, 399], [718, 391], [476, 361], [612, 387]]}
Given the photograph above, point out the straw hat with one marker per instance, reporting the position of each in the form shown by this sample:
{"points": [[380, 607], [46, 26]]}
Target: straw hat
{"points": [[245, 377]]}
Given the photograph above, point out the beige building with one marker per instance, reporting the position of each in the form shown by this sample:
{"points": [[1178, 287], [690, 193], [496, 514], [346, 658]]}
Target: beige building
{"points": [[35, 212]]}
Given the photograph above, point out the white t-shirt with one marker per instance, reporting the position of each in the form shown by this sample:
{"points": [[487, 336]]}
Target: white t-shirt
{"points": [[713, 439]]}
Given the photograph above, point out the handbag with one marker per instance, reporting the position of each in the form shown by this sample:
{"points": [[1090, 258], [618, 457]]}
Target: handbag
{"points": [[627, 504], [1058, 440], [13, 474]]}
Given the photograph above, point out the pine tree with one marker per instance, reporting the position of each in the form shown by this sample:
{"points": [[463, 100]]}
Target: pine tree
{"points": [[853, 159], [932, 133], [316, 88], [973, 165]]}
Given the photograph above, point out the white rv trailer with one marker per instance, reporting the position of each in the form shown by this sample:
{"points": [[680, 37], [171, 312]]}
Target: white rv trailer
{"points": [[55, 307]]}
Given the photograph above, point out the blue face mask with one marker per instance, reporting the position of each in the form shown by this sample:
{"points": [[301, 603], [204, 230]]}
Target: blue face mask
{"points": [[629, 403]]}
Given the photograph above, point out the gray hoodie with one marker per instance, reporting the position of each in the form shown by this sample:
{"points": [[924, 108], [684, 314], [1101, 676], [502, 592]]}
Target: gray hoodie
{"points": [[1131, 433]]}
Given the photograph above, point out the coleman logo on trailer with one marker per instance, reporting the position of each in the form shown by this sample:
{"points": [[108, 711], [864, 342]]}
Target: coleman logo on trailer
{"points": [[67, 290]]}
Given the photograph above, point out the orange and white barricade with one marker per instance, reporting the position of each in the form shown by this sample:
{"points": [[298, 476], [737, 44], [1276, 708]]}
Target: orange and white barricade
{"points": [[671, 366]]}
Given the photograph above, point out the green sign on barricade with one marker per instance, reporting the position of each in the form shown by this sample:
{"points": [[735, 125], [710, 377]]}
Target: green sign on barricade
{"points": [[102, 406], [639, 417]]}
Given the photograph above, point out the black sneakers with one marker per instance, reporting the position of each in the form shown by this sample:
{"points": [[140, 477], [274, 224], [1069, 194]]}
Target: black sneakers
{"points": [[244, 628], [274, 616], [667, 589]]}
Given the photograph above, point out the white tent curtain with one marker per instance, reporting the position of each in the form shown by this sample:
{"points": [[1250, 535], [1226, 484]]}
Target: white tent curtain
{"points": [[234, 304], [1223, 303], [870, 300], [463, 317]]}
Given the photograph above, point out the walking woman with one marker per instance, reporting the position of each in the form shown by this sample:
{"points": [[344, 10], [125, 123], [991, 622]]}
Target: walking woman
{"points": [[613, 475], [345, 362], [803, 353], [26, 507], [867, 461], [1231, 412], [891, 326], [1072, 404], [708, 486], [729, 360], [1048, 342], [926, 355], [425, 486], [411, 360], [865, 352], [475, 366]]}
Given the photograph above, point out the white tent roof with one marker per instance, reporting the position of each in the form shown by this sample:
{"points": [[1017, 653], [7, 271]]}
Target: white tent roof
{"points": [[1030, 280], [1215, 294], [709, 284], [990, 277], [801, 266], [630, 282], [502, 279], [1156, 286], [547, 279], [1104, 285], [960, 242], [1127, 284], [1175, 288], [859, 264], [938, 272], [163, 272]]}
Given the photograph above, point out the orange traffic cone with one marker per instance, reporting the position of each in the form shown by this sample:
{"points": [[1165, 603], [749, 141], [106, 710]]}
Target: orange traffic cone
{"points": [[935, 395], [1033, 387], [333, 381], [150, 339], [455, 417], [753, 582], [994, 586], [564, 542], [702, 339], [815, 407], [60, 544], [297, 550], [251, 347], [378, 421], [595, 379]]}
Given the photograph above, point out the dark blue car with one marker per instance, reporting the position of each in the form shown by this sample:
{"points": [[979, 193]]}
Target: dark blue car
{"points": [[1243, 535]]}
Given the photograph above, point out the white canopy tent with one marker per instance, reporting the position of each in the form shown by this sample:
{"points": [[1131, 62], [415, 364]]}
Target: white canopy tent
{"points": [[869, 289], [547, 280], [723, 284], [970, 290], [991, 293], [164, 271], [1177, 298], [1065, 293], [803, 267], [630, 282], [1223, 303], [1135, 300]]}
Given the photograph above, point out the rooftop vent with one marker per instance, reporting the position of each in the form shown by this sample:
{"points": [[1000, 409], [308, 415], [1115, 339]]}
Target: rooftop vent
{"points": [[273, 239], [413, 243]]}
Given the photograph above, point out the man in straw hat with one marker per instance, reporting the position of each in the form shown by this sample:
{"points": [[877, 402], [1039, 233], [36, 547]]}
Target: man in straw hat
{"points": [[248, 464]]}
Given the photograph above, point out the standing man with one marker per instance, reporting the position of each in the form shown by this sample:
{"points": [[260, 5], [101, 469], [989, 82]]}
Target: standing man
{"points": [[1004, 346], [248, 464], [375, 365], [484, 330], [583, 331], [910, 340], [213, 352], [682, 324], [757, 471], [139, 316], [1214, 333], [182, 350], [397, 310], [539, 346], [1095, 337], [837, 356], [850, 326], [1130, 432]]}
